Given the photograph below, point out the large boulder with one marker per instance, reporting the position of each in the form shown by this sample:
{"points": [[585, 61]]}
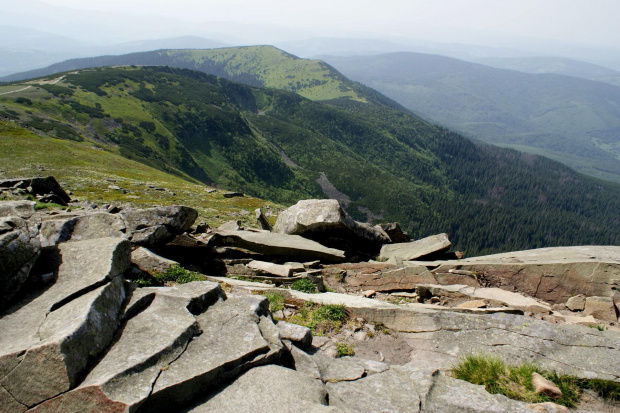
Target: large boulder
{"points": [[71, 227], [152, 226], [325, 221], [601, 308], [19, 250], [48, 340]]}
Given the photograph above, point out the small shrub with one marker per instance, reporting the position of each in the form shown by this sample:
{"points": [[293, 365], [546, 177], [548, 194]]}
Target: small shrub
{"points": [[276, 301], [178, 275], [344, 349], [305, 286]]}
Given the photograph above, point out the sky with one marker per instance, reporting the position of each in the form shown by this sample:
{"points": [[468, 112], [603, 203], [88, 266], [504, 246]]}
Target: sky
{"points": [[586, 22]]}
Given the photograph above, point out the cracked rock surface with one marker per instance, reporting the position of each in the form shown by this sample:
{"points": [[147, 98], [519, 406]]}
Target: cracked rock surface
{"points": [[46, 344]]}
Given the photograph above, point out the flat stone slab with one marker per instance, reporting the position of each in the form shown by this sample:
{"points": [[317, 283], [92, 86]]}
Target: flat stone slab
{"points": [[550, 274], [46, 345], [408, 251], [270, 268], [269, 388], [278, 245], [510, 299]]}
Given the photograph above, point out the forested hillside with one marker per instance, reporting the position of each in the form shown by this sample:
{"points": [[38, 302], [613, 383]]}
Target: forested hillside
{"points": [[575, 121], [387, 164]]}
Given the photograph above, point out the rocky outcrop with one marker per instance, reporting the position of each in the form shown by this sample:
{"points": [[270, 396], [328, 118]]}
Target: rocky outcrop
{"points": [[441, 337], [79, 337], [550, 274], [323, 220], [49, 339]]}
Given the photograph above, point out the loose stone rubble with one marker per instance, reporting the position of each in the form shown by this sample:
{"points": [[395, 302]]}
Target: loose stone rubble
{"points": [[78, 335]]}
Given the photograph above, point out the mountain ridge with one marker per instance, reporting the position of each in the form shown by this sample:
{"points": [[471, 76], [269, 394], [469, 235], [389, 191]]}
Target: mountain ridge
{"points": [[388, 162]]}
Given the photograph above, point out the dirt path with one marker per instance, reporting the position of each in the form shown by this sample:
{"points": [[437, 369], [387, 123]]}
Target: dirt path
{"points": [[13, 91], [50, 82]]}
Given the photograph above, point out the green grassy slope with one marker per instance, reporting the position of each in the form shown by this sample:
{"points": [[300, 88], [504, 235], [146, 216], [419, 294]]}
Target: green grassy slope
{"points": [[88, 169], [576, 121], [400, 168]]}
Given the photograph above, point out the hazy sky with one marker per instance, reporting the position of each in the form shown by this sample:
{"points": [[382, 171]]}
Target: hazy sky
{"points": [[593, 22]]}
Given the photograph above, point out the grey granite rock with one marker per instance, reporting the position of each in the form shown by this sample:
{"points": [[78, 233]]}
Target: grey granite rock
{"points": [[22, 209], [407, 251], [150, 342], [150, 262], [269, 388], [19, 251]]}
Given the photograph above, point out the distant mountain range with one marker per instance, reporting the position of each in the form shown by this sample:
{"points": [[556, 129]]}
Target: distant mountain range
{"points": [[573, 120], [331, 135], [556, 65]]}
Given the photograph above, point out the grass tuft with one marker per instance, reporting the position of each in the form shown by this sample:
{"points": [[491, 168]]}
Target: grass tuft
{"points": [[276, 300], [305, 286], [321, 319], [515, 381]]}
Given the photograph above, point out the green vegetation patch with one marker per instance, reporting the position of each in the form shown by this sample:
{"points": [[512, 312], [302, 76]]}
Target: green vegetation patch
{"points": [[344, 349], [321, 319], [515, 381], [178, 275], [276, 300], [305, 286]]}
